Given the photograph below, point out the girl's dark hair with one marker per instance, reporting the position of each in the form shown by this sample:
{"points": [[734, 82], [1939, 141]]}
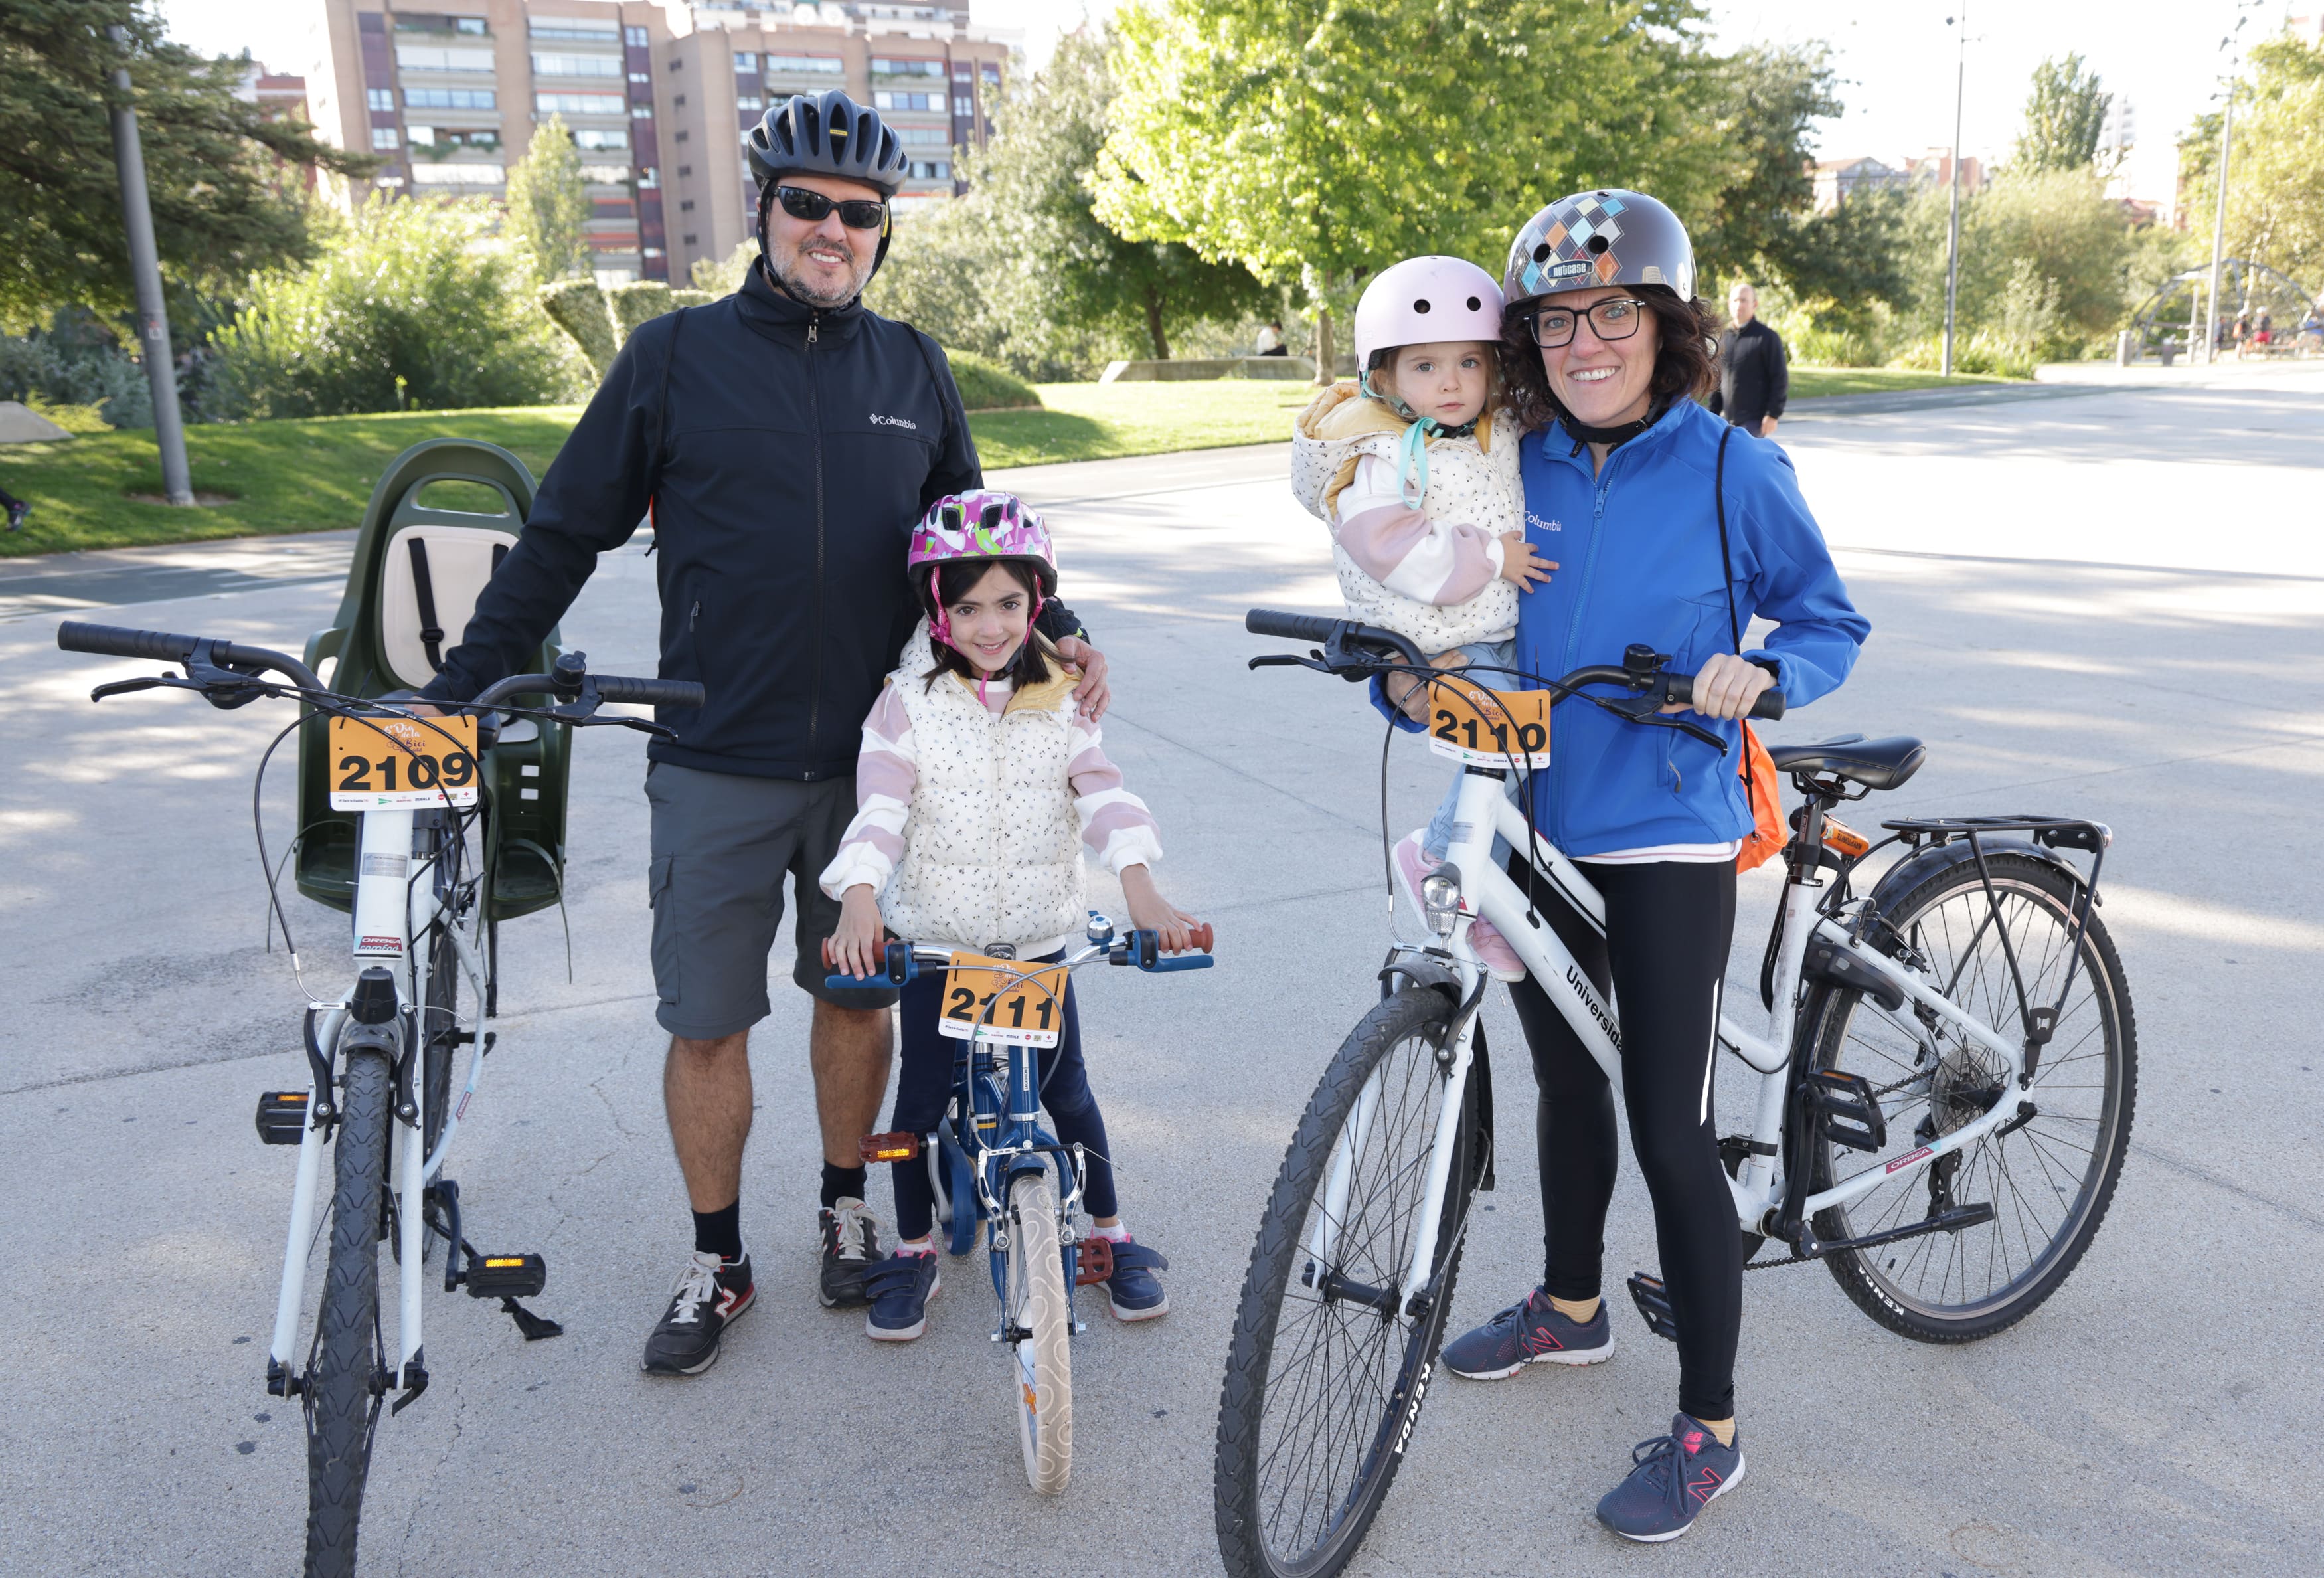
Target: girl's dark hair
{"points": [[1685, 362], [954, 580]]}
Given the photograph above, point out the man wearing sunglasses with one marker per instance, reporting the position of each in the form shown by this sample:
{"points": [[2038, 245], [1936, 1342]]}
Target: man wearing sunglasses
{"points": [[784, 440]]}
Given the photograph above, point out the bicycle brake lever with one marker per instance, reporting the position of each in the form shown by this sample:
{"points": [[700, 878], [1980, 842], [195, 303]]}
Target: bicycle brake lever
{"points": [[124, 687], [643, 725]]}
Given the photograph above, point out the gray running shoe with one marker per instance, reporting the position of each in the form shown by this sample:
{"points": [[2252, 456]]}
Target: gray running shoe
{"points": [[1672, 1479], [1532, 1332]]}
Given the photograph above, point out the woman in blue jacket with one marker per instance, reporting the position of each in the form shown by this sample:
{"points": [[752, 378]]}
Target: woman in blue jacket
{"points": [[1605, 352]]}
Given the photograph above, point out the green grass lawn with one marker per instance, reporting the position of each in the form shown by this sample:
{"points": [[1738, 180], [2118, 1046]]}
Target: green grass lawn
{"points": [[316, 474]]}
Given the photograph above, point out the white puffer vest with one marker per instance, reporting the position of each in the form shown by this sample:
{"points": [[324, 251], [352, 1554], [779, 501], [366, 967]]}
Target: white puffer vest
{"points": [[1468, 482], [992, 852]]}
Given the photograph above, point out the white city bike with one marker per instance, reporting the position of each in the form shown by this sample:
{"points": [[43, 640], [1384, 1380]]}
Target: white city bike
{"points": [[1945, 1091]]}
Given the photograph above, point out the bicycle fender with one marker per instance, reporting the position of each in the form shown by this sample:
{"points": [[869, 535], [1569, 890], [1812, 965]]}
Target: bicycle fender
{"points": [[1421, 970], [1910, 872]]}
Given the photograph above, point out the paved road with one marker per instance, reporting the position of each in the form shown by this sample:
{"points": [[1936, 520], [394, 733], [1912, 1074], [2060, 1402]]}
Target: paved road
{"points": [[2106, 605]]}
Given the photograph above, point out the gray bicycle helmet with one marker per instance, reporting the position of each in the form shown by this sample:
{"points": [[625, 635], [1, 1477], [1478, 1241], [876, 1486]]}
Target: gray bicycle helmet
{"points": [[825, 134], [1609, 237]]}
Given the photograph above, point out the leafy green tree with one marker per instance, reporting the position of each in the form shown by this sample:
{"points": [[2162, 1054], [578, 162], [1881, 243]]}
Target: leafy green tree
{"points": [[1769, 102], [410, 303], [1035, 181], [223, 205], [549, 203], [2275, 188], [1309, 140], [2064, 116], [2044, 250], [1847, 266]]}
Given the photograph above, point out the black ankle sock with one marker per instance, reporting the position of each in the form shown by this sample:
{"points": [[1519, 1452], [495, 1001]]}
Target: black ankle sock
{"points": [[843, 1183], [719, 1232]]}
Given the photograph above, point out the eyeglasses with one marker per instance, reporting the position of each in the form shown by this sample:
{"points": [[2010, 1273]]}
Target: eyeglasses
{"points": [[855, 213], [1614, 319]]}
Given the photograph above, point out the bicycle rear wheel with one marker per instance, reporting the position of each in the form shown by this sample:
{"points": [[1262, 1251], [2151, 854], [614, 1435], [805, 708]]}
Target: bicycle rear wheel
{"points": [[342, 1398], [1328, 1367], [1039, 1304], [2049, 1178]]}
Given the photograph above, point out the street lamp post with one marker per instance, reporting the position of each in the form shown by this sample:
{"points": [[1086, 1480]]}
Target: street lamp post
{"points": [[144, 263], [2220, 225], [1952, 244]]}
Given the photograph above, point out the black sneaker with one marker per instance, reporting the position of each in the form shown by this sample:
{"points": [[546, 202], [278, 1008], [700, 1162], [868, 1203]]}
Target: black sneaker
{"points": [[16, 513], [850, 1238], [711, 1295]]}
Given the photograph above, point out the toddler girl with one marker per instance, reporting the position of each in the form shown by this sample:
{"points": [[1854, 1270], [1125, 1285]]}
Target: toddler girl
{"points": [[1414, 469], [978, 786]]}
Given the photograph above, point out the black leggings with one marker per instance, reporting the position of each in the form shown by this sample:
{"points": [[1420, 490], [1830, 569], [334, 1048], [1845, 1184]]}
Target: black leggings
{"points": [[925, 1081], [1668, 924]]}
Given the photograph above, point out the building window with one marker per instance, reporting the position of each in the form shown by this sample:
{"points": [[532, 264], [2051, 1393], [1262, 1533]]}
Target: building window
{"points": [[473, 24], [749, 101], [991, 71], [685, 207], [430, 58], [572, 65], [656, 251], [598, 139], [964, 106], [381, 98], [931, 170], [684, 171], [640, 78], [746, 61], [448, 98], [580, 28], [887, 68], [648, 176], [577, 104], [677, 64], [922, 101], [384, 138], [922, 136], [678, 103], [691, 240], [605, 174], [805, 65], [641, 111], [681, 137], [458, 175], [637, 38]]}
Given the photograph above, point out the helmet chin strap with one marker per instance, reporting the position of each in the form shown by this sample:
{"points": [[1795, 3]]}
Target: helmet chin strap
{"points": [[1613, 438]]}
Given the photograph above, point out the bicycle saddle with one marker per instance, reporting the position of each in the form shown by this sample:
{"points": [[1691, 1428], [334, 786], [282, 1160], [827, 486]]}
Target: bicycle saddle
{"points": [[1876, 765]]}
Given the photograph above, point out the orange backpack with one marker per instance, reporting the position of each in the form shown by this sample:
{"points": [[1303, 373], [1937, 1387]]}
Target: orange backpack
{"points": [[1768, 834]]}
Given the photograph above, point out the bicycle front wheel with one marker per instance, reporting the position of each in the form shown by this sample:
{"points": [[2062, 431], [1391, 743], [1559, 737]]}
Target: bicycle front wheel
{"points": [[1329, 1365], [341, 1404], [1039, 1307], [2050, 1177]]}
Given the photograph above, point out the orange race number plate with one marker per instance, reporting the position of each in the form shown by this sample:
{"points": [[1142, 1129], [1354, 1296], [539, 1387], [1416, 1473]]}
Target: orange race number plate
{"points": [[1490, 728], [392, 764], [1002, 999]]}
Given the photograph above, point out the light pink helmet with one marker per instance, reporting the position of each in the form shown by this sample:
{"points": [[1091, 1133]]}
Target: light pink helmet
{"points": [[985, 524], [1423, 299]]}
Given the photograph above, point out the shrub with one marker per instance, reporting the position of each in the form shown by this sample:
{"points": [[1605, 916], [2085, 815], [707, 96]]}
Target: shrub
{"points": [[724, 276], [692, 298], [74, 363], [410, 303], [636, 303], [986, 385], [579, 308]]}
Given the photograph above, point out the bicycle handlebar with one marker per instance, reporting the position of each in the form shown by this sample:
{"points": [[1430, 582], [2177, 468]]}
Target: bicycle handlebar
{"points": [[1141, 948], [1341, 637], [115, 641]]}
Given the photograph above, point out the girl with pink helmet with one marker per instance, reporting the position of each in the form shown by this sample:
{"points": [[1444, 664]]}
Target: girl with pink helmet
{"points": [[979, 787], [1414, 468]]}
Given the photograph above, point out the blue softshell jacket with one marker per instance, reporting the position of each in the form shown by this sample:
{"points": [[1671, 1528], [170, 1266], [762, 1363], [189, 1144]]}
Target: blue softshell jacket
{"points": [[1638, 552]]}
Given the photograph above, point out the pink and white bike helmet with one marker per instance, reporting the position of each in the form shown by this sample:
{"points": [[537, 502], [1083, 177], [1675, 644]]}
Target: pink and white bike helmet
{"points": [[1423, 299], [985, 524]]}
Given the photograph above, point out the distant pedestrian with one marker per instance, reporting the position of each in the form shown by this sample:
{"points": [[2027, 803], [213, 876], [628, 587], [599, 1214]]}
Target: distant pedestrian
{"points": [[1755, 374], [2263, 330], [2312, 327], [1270, 340], [2239, 334], [17, 509]]}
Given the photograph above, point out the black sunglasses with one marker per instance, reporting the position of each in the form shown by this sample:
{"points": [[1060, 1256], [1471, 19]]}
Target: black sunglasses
{"points": [[855, 213]]}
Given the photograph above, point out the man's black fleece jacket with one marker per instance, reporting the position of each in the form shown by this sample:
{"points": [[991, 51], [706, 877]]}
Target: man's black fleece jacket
{"points": [[786, 453]]}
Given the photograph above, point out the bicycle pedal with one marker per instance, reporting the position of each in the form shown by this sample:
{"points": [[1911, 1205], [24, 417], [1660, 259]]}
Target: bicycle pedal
{"points": [[1653, 1300], [1093, 1260], [897, 1146], [282, 1116], [506, 1276], [1847, 1109]]}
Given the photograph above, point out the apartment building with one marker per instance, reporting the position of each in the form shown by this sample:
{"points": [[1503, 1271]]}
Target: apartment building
{"points": [[657, 94]]}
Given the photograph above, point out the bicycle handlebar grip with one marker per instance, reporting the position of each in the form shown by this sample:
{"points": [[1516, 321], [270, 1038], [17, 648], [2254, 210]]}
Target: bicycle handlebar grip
{"points": [[1680, 688], [1203, 938], [1297, 627], [114, 641], [652, 692]]}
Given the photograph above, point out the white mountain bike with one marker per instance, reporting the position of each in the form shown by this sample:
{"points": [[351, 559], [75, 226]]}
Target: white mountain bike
{"points": [[1944, 1100], [380, 1055]]}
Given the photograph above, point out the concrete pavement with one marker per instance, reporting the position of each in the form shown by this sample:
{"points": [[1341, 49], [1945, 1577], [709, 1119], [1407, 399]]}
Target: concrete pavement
{"points": [[2106, 605]]}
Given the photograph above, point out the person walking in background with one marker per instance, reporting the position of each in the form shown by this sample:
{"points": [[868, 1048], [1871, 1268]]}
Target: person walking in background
{"points": [[1754, 373], [17, 509], [1270, 340]]}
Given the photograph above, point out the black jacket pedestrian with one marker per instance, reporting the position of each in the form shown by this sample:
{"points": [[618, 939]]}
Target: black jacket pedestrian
{"points": [[1755, 377], [786, 453]]}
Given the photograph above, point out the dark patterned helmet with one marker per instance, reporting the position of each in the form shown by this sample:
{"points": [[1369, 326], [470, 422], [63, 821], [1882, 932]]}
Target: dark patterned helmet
{"points": [[1592, 238]]}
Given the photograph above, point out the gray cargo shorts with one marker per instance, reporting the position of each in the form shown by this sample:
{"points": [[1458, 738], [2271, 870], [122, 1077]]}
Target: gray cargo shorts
{"points": [[721, 844]]}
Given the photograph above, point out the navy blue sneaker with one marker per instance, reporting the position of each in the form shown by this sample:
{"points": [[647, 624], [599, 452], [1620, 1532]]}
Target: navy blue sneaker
{"points": [[1132, 1292], [1532, 1332], [899, 1288], [1673, 1477]]}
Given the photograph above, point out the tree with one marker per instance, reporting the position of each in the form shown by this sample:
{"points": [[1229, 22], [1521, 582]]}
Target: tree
{"points": [[2276, 190], [410, 303], [1770, 100], [1310, 140], [2064, 116], [549, 203], [1035, 183], [222, 207]]}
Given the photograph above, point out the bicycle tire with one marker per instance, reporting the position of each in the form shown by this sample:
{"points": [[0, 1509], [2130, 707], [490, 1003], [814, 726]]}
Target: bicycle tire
{"points": [[1373, 1415], [1043, 1372], [1890, 1283], [341, 1401]]}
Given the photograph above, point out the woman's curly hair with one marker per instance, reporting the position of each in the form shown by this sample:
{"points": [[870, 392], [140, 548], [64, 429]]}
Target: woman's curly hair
{"points": [[1686, 362]]}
